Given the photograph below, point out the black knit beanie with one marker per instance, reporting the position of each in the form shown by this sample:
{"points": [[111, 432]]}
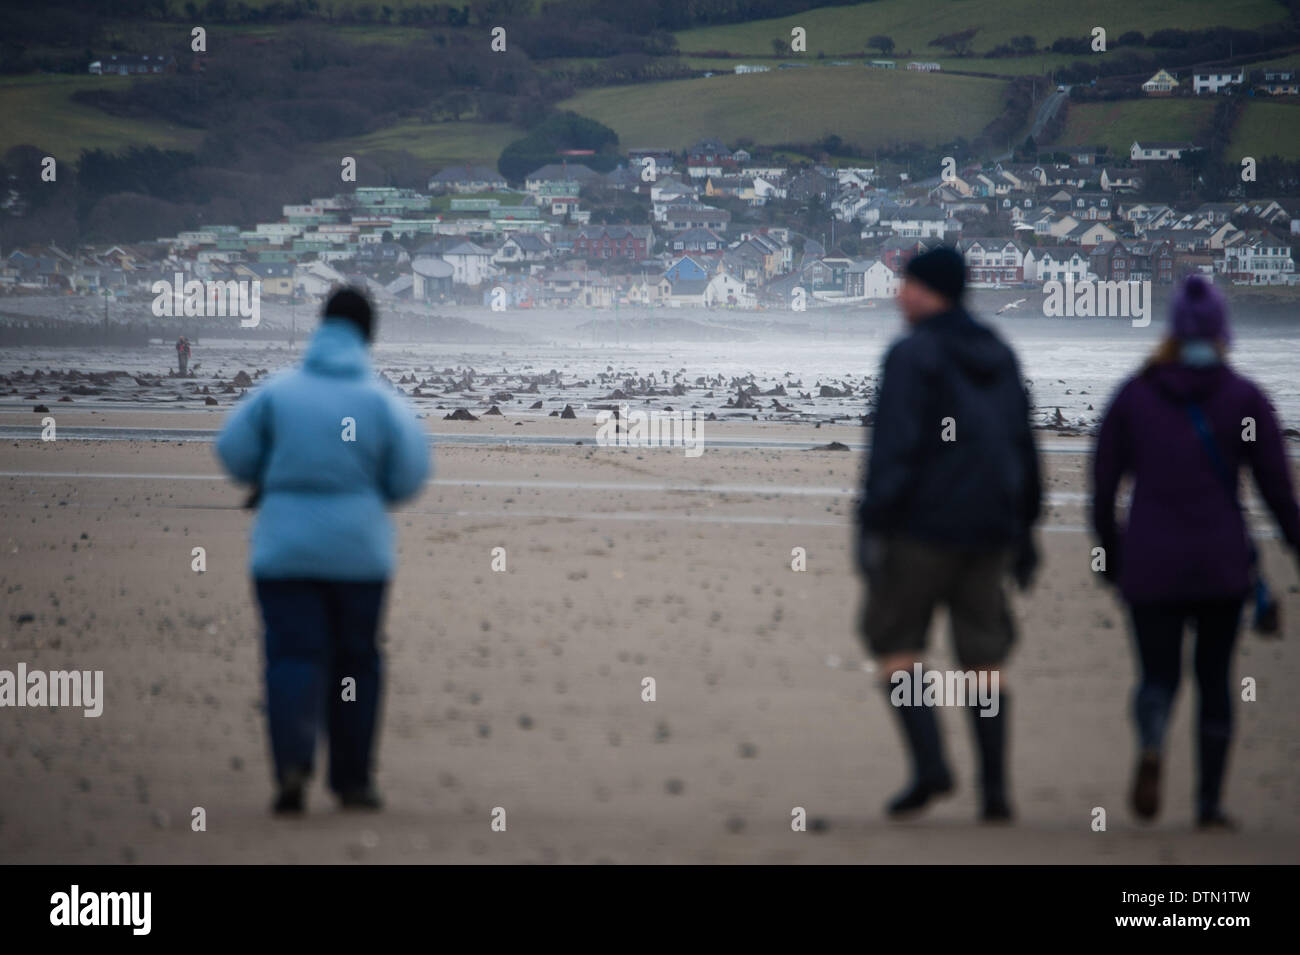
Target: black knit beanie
{"points": [[941, 269]]}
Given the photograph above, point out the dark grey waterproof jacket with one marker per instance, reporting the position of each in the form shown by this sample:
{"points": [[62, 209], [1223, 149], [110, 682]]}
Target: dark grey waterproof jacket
{"points": [[952, 460]]}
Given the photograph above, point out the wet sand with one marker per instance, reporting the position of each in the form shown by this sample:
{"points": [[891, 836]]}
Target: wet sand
{"points": [[522, 690]]}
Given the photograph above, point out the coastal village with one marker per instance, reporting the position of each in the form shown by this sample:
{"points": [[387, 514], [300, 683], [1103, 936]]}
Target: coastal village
{"points": [[471, 237]]}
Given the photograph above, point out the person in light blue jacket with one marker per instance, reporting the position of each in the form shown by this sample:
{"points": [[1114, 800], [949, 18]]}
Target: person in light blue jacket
{"points": [[327, 447]]}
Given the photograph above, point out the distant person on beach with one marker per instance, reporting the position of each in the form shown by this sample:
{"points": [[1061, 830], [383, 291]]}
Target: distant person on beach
{"points": [[328, 447], [182, 356], [1182, 428], [951, 497]]}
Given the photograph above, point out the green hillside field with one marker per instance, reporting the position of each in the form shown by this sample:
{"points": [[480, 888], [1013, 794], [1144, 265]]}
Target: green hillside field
{"points": [[871, 108], [912, 24], [1118, 124], [1267, 128], [439, 144], [39, 111]]}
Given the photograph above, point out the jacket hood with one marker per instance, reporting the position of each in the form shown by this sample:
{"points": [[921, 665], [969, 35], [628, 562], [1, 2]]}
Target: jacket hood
{"points": [[1184, 383], [337, 349], [976, 349]]}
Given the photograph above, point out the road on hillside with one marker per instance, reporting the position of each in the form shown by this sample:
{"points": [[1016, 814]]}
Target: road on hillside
{"points": [[1045, 112]]}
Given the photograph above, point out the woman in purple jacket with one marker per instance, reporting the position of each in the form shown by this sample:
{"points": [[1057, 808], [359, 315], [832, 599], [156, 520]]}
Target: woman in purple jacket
{"points": [[1182, 428]]}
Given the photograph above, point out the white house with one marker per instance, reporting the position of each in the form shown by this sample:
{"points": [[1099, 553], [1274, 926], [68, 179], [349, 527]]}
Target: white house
{"points": [[923, 222], [646, 291], [668, 192], [765, 188], [1214, 81], [1151, 150], [870, 279], [471, 264], [859, 176], [1268, 209], [316, 278], [1258, 259], [1055, 265], [727, 290], [560, 172], [1089, 234], [521, 247], [683, 291], [991, 262], [467, 178], [1115, 179], [849, 203], [1057, 225]]}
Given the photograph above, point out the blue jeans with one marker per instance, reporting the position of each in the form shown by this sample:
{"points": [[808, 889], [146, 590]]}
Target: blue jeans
{"points": [[319, 633]]}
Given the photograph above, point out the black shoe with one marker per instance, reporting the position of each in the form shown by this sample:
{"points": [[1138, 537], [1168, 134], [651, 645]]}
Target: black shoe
{"points": [[917, 796], [291, 799], [365, 799], [1146, 786], [996, 809], [1215, 822]]}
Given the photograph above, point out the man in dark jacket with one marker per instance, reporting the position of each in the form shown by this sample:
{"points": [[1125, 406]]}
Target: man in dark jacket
{"points": [[952, 493]]}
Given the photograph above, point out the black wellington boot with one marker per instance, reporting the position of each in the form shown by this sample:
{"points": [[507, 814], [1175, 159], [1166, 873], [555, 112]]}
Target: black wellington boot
{"points": [[991, 741], [1212, 753], [930, 775]]}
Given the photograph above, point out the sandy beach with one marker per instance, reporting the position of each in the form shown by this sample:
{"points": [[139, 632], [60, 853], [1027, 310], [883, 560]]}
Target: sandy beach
{"points": [[522, 689]]}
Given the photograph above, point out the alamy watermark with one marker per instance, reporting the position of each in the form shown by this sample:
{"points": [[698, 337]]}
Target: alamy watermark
{"points": [[195, 299], [75, 907], [651, 429], [921, 687], [1098, 299], [83, 688]]}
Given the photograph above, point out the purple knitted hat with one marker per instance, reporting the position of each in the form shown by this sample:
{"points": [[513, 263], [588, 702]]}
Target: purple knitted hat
{"points": [[1199, 311]]}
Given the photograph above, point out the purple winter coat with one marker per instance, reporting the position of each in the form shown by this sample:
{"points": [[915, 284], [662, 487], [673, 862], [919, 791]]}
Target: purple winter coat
{"points": [[1185, 538]]}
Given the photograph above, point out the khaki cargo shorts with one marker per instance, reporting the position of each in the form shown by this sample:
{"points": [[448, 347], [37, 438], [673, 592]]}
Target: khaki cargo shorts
{"points": [[915, 577]]}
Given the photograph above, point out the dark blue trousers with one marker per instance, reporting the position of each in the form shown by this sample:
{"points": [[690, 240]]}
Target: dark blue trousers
{"points": [[318, 634], [1159, 631]]}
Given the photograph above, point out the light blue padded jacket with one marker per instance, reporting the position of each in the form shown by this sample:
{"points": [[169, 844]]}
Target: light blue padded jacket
{"points": [[324, 498]]}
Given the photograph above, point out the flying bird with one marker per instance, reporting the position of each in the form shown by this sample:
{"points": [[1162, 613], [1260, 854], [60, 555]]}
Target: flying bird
{"points": [[1010, 305]]}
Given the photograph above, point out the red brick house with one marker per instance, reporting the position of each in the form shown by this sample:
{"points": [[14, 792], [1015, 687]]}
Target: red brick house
{"points": [[613, 242]]}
